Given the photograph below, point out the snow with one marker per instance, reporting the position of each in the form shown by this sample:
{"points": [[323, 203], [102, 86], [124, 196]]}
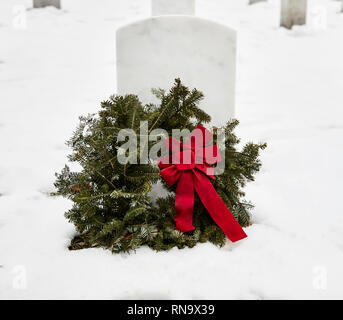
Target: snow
{"points": [[289, 94]]}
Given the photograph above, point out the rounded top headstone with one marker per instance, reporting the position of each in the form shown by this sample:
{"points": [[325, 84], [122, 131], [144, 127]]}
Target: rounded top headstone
{"points": [[151, 53]]}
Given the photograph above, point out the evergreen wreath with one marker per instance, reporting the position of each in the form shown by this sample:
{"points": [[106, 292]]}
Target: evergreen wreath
{"points": [[112, 207]]}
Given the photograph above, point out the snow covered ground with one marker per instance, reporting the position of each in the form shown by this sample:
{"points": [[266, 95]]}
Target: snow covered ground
{"points": [[289, 94]]}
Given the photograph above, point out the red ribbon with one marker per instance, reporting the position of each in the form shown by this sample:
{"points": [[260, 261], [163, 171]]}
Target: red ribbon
{"points": [[189, 164]]}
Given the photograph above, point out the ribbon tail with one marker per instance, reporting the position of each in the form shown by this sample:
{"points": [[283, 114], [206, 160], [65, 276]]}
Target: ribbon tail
{"points": [[184, 202], [216, 207]]}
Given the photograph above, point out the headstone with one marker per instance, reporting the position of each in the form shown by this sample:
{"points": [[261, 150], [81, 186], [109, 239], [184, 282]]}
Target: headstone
{"points": [[153, 52], [172, 7], [293, 12], [46, 3], [256, 1]]}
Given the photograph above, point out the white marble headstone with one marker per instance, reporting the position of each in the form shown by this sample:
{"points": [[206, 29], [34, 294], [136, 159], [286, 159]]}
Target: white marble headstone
{"points": [[293, 12], [255, 1], [46, 3], [172, 7], [151, 53]]}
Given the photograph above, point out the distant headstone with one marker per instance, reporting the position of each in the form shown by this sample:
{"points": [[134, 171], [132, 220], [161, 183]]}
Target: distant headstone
{"points": [[293, 12], [256, 1], [172, 7], [153, 52], [46, 3]]}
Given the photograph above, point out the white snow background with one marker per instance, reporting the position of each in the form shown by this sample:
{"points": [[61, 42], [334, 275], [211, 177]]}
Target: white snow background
{"points": [[289, 94]]}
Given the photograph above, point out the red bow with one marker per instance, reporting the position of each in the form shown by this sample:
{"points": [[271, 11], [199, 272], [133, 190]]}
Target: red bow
{"points": [[190, 164]]}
